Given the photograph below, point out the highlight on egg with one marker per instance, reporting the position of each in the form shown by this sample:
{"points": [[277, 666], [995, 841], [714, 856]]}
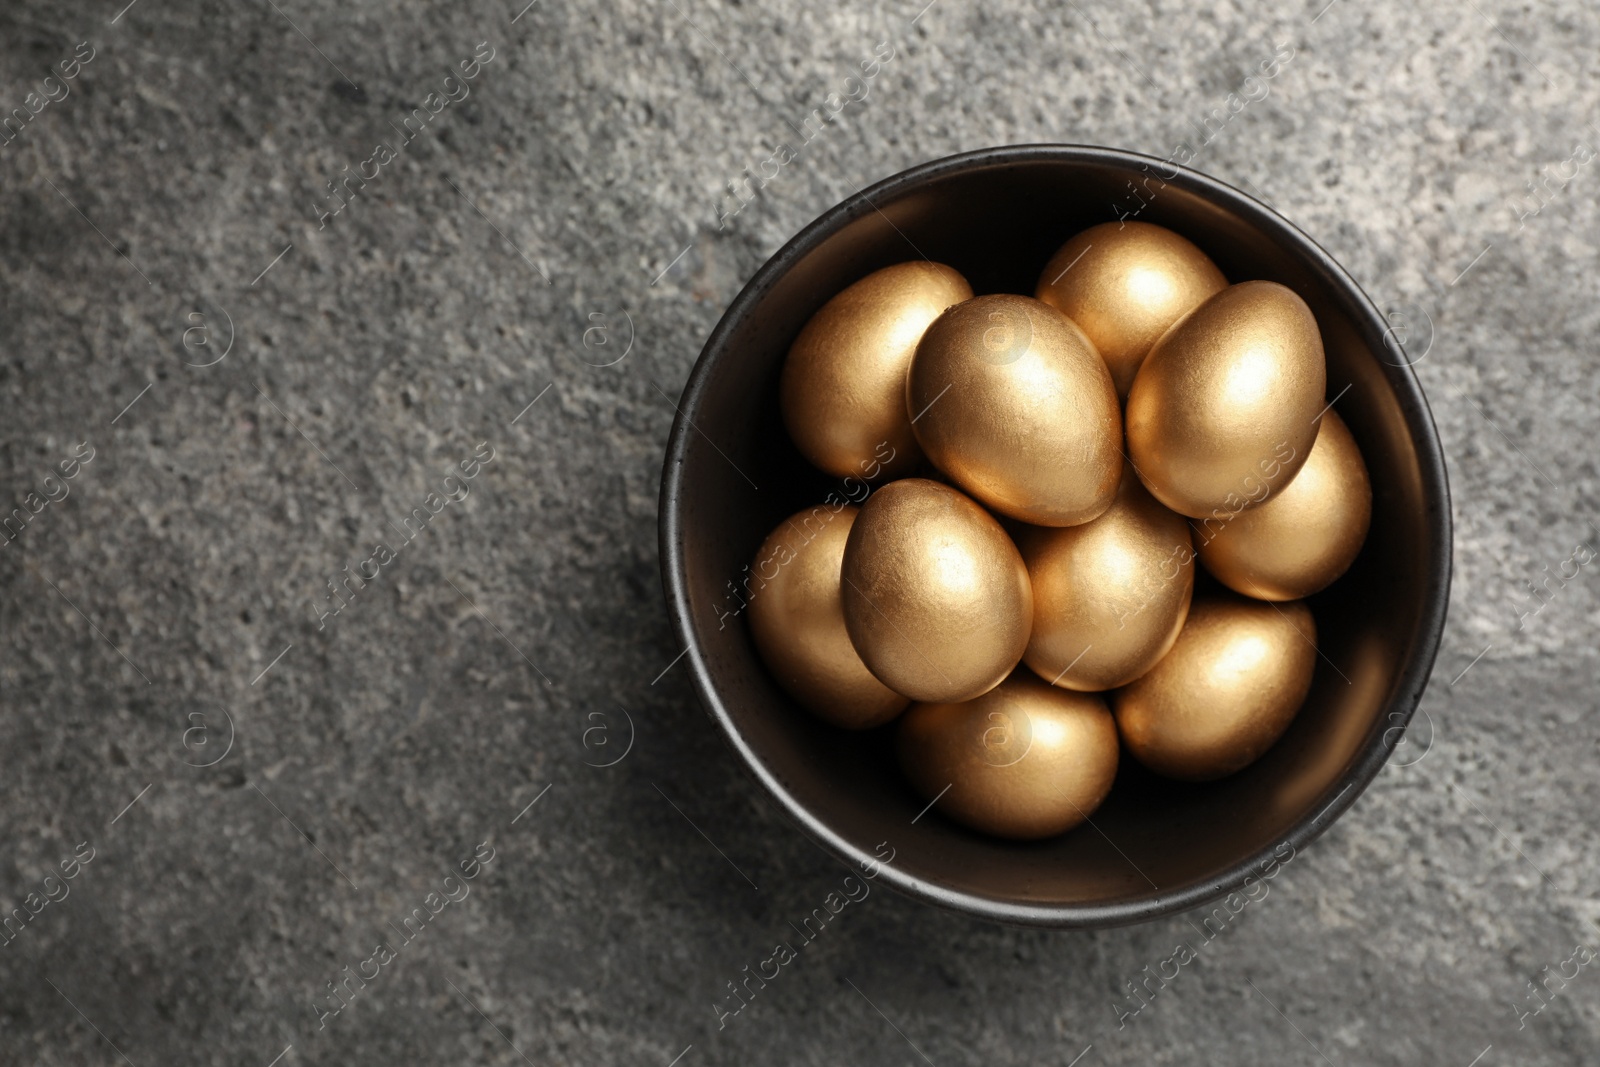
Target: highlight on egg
{"points": [[1307, 535], [797, 622], [936, 598], [1023, 761], [1125, 284], [1110, 595], [842, 389], [1225, 693], [1224, 409], [1010, 399]]}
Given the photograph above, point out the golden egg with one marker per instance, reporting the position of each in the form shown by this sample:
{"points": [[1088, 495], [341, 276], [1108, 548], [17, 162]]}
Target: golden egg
{"points": [[1231, 685], [842, 390], [1224, 409], [797, 620], [1306, 536], [1110, 595], [936, 598], [1124, 283], [1022, 761], [1009, 398]]}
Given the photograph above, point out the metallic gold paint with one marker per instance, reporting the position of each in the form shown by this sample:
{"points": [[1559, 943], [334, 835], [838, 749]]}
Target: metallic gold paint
{"points": [[1109, 596], [842, 389], [797, 621], [1009, 398], [1124, 284], [1022, 761], [1224, 410], [936, 599], [1225, 693], [1307, 535]]}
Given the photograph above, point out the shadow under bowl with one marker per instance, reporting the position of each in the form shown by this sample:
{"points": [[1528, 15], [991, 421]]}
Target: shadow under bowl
{"points": [[1155, 846]]}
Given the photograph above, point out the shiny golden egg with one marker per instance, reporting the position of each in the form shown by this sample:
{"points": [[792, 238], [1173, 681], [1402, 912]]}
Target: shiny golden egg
{"points": [[842, 390], [1124, 284], [936, 599], [1009, 398], [1227, 690], [1224, 410], [1306, 536], [1022, 761], [1110, 595], [797, 620]]}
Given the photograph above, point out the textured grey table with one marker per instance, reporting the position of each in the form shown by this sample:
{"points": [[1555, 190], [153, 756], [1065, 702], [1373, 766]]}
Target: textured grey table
{"points": [[169, 208]]}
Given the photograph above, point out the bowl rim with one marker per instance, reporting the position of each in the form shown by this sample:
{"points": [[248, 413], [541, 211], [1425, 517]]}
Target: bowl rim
{"points": [[1370, 325]]}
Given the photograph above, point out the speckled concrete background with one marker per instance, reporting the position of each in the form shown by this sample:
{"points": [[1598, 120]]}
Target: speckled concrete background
{"points": [[251, 396]]}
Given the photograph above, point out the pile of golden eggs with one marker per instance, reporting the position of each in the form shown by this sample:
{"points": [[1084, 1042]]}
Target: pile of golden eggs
{"points": [[1018, 590]]}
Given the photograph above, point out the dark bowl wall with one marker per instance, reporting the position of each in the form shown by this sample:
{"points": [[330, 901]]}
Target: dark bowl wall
{"points": [[1154, 846]]}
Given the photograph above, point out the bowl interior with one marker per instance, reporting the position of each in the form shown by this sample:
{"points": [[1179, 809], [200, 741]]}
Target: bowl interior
{"points": [[1155, 845]]}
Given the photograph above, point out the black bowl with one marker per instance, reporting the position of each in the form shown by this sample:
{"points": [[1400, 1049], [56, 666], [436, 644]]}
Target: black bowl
{"points": [[1155, 846]]}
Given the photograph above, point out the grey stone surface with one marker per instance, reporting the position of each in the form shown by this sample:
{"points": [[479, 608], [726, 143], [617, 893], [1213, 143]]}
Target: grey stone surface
{"points": [[175, 587]]}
